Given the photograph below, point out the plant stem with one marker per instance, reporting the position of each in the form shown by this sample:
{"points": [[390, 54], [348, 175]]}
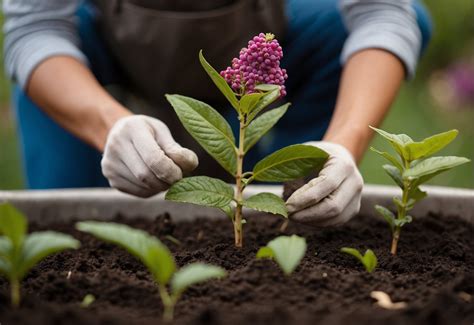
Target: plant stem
{"points": [[402, 211], [238, 234], [15, 292], [168, 304]]}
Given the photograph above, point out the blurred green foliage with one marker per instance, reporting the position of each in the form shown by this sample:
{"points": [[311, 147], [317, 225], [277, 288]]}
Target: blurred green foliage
{"points": [[414, 112]]}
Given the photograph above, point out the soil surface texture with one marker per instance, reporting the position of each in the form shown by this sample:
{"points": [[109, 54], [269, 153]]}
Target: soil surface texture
{"points": [[432, 273]]}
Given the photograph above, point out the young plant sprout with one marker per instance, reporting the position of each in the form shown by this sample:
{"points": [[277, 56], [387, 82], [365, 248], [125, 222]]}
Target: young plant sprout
{"points": [[287, 251], [253, 82], [157, 258], [413, 167], [20, 252], [369, 260]]}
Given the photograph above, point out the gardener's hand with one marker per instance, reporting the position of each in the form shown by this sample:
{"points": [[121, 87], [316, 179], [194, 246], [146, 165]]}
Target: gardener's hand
{"points": [[142, 158], [334, 196]]}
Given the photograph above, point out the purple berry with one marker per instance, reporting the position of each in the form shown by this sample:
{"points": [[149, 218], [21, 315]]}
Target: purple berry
{"points": [[258, 63]]}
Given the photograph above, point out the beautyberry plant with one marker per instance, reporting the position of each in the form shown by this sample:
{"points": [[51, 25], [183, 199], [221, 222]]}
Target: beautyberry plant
{"points": [[412, 167], [253, 82]]}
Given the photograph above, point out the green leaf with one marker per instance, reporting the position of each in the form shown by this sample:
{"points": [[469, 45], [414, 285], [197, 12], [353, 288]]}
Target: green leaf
{"points": [[287, 251], [261, 125], [398, 141], [369, 260], [395, 174], [290, 163], [430, 145], [249, 101], [266, 100], [265, 252], [87, 300], [194, 273], [430, 167], [202, 190], [387, 215], [209, 129], [219, 82], [148, 249], [266, 202], [267, 87], [5, 254], [13, 224], [39, 245], [401, 222], [389, 157], [416, 194]]}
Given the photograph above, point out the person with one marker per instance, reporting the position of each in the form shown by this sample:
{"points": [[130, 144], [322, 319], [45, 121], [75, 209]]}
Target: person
{"points": [[346, 61]]}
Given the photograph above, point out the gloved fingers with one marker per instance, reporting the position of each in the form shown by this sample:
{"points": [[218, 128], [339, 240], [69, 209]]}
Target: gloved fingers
{"points": [[332, 206], [125, 185], [136, 171], [351, 210], [186, 159], [154, 158], [329, 179]]}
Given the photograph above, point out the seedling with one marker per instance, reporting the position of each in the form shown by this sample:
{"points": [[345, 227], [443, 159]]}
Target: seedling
{"points": [[20, 252], [412, 167], [369, 260], [257, 81], [157, 258], [287, 251], [87, 300]]}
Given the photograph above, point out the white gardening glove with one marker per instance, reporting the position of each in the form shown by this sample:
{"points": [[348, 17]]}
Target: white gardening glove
{"points": [[334, 196], [142, 158]]}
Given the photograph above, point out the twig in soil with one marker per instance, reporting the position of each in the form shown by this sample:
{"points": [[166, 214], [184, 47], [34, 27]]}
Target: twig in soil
{"points": [[68, 276], [384, 301], [284, 225], [200, 235], [465, 296], [174, 240]]}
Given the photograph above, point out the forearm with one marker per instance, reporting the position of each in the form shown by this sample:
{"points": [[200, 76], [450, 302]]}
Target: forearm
{"points": [[68, 92], [369, 83]]}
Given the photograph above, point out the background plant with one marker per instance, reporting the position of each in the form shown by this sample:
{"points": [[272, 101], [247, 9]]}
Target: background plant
{"points": [[369, 259], [412, 167], [287, 251], [20, 252], [157, 258], [249, 96]]}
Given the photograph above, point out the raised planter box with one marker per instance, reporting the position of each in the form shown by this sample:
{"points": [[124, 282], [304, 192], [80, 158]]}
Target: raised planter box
{"points": [[433, 272]]}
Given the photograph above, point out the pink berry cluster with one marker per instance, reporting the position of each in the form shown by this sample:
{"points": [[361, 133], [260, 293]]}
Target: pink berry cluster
{"points": [[259, 63]]}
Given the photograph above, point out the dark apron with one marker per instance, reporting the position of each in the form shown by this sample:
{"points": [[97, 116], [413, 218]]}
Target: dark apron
{"points": [[156, 43]]}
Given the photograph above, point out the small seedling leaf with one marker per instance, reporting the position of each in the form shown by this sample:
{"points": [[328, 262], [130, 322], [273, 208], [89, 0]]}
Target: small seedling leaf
{"points": [[266, 202], [287, 251], [195, 273], [209, 129], [265, 252], [290, 163], [394, 173], [387, 215], [13, 224], [404, 221], [202, 190], [39, 245], [369, 260], [261, 125], [220, 82], [87, 300], [430, 167], [430, 145], [148, 249], [389, 157]]}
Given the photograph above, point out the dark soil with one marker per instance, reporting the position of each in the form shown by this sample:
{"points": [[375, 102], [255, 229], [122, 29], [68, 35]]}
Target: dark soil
{"points": [[433, 274]]}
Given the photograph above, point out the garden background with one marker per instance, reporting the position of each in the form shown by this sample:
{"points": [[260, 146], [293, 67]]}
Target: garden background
{"points": [[441, 97]]}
